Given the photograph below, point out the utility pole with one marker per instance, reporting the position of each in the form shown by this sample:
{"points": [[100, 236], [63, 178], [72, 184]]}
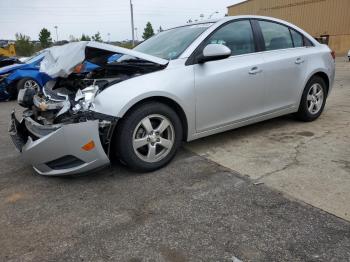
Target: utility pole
{"points": [[211, 15], [136, 35], [56, 33], [132, 23]]}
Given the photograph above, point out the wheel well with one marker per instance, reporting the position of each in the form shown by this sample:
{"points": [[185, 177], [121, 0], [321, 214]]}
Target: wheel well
{"points": [[325, 78], [172, 104]]}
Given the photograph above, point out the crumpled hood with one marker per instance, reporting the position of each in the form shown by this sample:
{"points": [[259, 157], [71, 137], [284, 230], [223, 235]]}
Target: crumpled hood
{"points": [[60, 61], [10, 68]]}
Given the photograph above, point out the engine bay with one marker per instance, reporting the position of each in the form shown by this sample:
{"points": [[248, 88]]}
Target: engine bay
{"points": [[68, 100]]}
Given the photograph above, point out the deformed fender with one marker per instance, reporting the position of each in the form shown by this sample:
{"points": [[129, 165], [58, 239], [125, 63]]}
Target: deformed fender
{"points": [[118, 99]]}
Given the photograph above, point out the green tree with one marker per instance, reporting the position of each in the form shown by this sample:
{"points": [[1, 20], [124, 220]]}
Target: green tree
{"points": [[45, 38], [97, 37], [85, 38], [149, 32], [127, 45], [24, 47]]}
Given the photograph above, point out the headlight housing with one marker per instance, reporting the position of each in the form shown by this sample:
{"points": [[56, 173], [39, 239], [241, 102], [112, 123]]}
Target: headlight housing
{"points": [[85, 98]]}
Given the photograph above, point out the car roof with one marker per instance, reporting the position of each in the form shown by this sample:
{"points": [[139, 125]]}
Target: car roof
{"points": [[216, 23], [230, 18]]}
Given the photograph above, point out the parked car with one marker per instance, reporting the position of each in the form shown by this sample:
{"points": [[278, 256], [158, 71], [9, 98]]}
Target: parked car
{"points": [[27, 75], [6, 61], [180, 85], [22, 75]]}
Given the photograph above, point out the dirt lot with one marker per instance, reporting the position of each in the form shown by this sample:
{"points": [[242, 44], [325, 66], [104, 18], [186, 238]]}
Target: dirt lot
{"points": [[197, 208]]}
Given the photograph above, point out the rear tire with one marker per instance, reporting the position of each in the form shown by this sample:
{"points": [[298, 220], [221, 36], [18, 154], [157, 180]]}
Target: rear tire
{"points": [[148, 137], [313, 100]]}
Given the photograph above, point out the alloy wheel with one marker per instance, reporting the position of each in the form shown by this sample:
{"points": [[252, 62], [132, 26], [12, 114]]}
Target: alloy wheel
{"points": [[153, 138], [31, 84], [315, 99]]}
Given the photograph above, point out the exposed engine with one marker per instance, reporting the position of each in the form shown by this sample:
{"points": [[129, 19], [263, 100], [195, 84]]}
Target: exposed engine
{"points": [[68, 100]]}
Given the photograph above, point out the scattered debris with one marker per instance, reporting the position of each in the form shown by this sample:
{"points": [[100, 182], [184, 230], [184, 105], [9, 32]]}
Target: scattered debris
{"points": [[235, 259]]}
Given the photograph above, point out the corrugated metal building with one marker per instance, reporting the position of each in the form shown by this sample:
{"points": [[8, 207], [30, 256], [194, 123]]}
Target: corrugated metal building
{"points": [[326, 20]]}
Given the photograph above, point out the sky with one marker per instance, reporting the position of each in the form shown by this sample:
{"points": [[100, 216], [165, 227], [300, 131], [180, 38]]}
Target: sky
{"points": [[109, 17]]}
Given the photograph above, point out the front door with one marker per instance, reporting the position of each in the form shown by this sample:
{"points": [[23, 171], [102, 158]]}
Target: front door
{"points": [[233, 89]]}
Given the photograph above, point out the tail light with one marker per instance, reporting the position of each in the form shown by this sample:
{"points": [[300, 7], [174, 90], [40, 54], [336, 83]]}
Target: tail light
{"points": [[333, 55]]}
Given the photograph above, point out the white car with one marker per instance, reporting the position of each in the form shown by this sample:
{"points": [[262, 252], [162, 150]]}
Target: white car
{"points": [[182, 84]]}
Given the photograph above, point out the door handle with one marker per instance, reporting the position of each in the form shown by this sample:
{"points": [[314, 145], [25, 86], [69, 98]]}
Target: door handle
{"points": [[299, 61], [255, 70]]}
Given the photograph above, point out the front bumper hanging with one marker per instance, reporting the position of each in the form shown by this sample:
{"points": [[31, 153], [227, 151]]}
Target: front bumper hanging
{"points": [[62, 151]]}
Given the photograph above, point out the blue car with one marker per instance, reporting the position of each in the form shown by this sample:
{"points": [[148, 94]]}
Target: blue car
{"points": [[27, 75], [88, 66], [18, 76]]}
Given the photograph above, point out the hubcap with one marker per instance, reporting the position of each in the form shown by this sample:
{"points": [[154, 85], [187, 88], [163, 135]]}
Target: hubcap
{"points": [[153, 138], [31, 84], [315, 99]]}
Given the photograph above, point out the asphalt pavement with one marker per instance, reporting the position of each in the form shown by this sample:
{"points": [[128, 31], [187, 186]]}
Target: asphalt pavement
{"points": [[193, 210]]}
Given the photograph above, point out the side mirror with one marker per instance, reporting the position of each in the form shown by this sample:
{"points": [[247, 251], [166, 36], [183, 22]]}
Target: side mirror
{"points": [[214, 52]]}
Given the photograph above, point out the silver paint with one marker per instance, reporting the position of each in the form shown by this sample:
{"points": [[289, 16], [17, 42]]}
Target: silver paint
{"points": [[215, 96]]}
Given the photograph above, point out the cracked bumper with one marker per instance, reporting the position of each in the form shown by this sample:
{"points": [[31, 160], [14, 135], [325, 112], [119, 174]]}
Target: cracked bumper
{"points": [[60, 152]]}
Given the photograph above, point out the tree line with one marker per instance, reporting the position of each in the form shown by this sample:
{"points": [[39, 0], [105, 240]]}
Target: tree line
{"points": [[25, 47]]}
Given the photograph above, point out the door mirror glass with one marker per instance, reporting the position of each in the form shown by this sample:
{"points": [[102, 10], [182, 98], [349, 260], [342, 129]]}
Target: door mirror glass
{"points": [[214, 52]]}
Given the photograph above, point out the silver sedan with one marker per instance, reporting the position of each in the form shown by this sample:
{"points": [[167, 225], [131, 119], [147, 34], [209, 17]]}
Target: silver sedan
{"points": [[182, 84]]}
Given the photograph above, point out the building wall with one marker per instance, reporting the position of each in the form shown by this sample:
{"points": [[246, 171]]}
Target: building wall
{"points": [[317, 17]]}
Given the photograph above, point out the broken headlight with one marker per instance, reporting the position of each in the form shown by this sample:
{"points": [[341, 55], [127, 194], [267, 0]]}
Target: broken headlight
{"points": [[85, 98]]}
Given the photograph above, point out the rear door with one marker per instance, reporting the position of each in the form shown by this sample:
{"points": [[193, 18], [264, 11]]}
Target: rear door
{"points": [[232, 89], [285, 64], [285, 61]]}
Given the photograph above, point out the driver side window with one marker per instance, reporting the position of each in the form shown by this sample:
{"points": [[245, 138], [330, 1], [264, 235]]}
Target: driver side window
{"points": [[238, 36]]}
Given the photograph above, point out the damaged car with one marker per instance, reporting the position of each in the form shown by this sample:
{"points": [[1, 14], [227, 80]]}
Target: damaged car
{"points": [[180, 85]]}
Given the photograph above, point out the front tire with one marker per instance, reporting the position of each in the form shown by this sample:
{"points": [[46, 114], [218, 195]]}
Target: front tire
{"points": [[313, 100], [149, 137]]}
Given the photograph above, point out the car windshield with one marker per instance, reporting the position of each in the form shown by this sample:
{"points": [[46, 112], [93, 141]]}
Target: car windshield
{"points": [[34, 58], [172, 43]]}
